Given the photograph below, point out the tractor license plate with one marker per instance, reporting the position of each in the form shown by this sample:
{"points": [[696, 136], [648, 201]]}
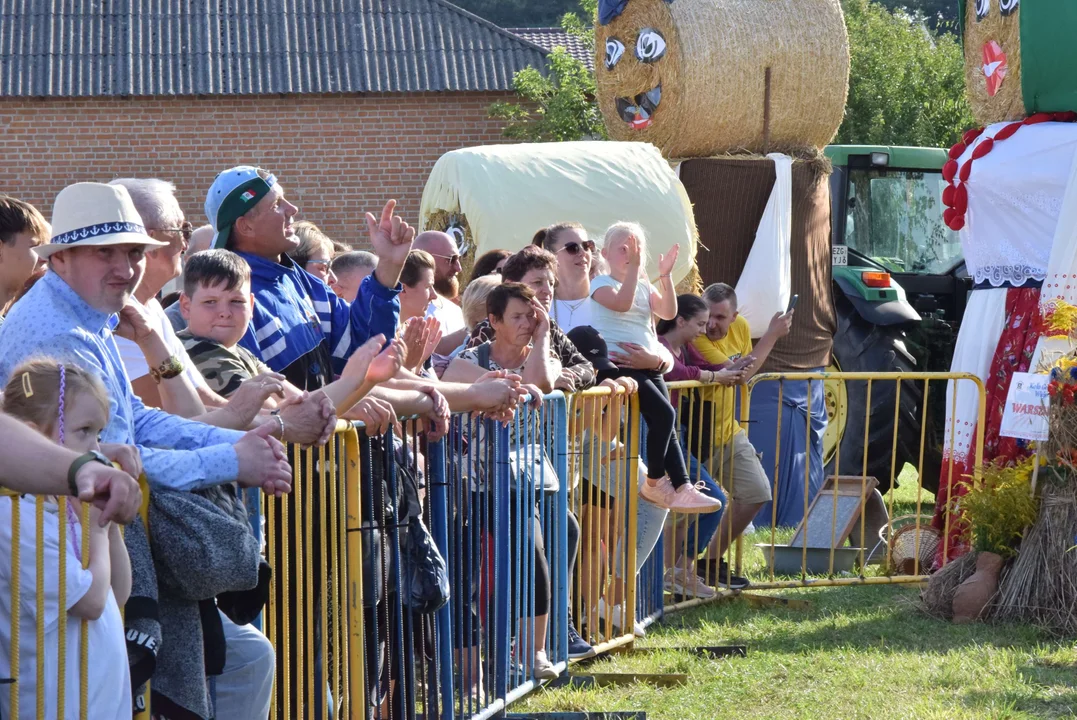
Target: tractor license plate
{"points": [[839, 255]]}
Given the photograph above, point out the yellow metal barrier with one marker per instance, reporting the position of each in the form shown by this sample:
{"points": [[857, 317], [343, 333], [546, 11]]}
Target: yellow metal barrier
{"points": [[41, 650], [699, 414], [314, 617], [603, 465]]}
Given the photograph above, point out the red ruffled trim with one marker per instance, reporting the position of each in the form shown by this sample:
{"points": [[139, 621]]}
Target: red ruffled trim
{"points": [[955, 197]]}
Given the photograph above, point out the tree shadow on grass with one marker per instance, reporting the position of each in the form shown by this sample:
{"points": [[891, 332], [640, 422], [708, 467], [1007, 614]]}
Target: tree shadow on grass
{"points": [[1032, 702], [877, 618]]}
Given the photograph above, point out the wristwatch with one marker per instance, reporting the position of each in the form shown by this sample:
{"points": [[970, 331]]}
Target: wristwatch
{"points": [[92, 456], [167, 370]]}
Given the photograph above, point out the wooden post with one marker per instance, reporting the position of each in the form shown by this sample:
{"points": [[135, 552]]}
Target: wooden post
{"points": [[766, 111]]}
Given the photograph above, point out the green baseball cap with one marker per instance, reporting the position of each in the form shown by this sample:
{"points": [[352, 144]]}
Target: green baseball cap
{"points": [[233, 193]]}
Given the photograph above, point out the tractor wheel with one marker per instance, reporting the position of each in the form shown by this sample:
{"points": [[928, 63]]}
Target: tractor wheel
{"points": [[862, 347]]}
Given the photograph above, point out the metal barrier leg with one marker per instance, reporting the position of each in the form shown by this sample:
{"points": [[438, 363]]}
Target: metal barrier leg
{"points": [[437, 491]]}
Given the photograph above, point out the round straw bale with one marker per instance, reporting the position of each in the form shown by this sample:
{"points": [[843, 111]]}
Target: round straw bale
{"points": [[689, 75], [501, 194]]}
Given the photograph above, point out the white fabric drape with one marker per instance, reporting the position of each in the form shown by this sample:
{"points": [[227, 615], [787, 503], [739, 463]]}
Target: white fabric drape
{"points": [[981, 328], [763, 286]]}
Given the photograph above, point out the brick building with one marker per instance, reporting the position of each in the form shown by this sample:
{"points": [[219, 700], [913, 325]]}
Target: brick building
{"points": [[348, 108]]}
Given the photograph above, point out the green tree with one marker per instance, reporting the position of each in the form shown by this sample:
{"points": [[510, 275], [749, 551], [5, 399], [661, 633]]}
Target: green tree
{"points": [[906, 84], [559, 105]]}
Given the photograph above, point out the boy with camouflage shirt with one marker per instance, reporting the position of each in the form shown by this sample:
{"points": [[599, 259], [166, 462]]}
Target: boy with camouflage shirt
{"points": [[217, 305]]}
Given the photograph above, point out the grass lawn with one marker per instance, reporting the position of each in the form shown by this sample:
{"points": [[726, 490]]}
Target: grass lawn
{"points": [[858, 652]]}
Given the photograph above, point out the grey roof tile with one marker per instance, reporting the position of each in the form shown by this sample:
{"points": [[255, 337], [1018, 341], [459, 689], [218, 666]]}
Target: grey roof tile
{"points": [[549, 38], [210, 47]]}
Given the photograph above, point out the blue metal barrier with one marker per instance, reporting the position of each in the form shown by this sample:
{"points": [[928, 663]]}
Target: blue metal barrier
{"points": [[498, 517]]}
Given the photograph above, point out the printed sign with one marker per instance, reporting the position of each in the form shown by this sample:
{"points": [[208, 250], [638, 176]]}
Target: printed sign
{"points": [[1025, 415], [839, 255]]}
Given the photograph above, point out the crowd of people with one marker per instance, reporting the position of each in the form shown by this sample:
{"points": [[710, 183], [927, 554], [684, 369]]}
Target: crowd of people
{"points": [[197, 355]]}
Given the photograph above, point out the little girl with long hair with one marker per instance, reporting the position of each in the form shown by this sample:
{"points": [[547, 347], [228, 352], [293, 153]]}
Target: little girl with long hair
{"points": [[625, 303], [69, 405]]}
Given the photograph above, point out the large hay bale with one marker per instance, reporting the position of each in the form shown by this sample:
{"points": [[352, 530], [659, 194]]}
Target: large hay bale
{"points": [[704, 93], [500, 195], [1019, 58]]}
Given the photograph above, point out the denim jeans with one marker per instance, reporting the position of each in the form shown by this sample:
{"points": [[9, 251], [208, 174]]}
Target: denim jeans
{"points": [[706, 523]]}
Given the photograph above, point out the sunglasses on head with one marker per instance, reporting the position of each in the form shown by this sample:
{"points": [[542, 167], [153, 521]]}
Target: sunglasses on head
{"points": [[574, 248]]}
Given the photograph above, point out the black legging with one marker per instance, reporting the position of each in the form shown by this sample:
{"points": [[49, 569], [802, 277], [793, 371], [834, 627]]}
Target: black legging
{"points": [[664, 454]]}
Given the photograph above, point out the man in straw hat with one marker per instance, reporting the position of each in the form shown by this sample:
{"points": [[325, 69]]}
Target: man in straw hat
{"points": [[96, 257]]}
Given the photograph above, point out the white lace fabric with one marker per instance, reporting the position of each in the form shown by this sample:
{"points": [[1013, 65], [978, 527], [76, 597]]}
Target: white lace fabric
{"points": [[1015, 197]]}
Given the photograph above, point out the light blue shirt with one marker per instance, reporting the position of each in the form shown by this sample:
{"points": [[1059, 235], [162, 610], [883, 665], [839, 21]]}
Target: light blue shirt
{"points": [[51, 320]]}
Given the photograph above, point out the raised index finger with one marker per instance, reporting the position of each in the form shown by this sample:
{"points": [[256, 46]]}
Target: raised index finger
{"points": [[387, 211]]}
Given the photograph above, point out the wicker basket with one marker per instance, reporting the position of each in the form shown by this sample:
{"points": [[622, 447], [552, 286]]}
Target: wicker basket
{"points": [[903, 544]]}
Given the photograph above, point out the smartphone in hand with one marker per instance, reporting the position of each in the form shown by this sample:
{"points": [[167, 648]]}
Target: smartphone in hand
{"points": [[792, 304], [741, 363]]}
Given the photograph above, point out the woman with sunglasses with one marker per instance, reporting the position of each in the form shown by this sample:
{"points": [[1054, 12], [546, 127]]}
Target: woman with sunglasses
{"points": [[569, 244], [576, 258], [576, 255]]}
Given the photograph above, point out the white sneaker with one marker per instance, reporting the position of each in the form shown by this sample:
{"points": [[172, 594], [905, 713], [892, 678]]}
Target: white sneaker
{"points": [[615, 619], [544, 669], [685, 582]]}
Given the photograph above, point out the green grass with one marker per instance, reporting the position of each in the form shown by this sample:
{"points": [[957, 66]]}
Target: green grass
{"points": [[858, 652]]}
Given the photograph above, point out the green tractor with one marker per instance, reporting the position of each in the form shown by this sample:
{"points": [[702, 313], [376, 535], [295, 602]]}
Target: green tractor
{"points": [[900, 290]]}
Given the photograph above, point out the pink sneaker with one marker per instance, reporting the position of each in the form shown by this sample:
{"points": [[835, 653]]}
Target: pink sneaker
{"points": [[661, 493], [688, 499]]}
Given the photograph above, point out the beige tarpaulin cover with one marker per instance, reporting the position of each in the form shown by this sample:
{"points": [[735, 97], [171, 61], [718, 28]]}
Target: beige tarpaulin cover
{"points": [[508, 192]]}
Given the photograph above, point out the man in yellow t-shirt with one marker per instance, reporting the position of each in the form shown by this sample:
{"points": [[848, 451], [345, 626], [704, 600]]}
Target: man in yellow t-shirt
{"points": [[734, 460]]}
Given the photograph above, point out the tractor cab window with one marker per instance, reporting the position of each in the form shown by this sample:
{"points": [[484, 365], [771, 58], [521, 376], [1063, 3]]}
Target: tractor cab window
{"points": [[895, 217]]}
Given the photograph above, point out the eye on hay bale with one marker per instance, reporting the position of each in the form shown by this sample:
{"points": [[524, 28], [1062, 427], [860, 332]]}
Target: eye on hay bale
{"points": [[455, 224], [1035, 51], [505, 193], [712, 74]]}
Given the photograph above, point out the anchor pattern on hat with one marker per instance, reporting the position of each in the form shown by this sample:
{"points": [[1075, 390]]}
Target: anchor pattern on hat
{"points": [[72, 236]]}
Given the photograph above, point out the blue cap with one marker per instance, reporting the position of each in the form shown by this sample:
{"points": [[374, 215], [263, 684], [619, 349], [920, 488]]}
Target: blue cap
{"points": [[233, 194]]}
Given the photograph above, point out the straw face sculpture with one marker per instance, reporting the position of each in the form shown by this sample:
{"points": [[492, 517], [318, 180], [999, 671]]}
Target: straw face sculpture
{"points": [[689, 76], [1019, 57]]}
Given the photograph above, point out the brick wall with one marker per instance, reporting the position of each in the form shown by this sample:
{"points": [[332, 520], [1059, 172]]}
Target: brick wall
{"points": [[337, 156]]}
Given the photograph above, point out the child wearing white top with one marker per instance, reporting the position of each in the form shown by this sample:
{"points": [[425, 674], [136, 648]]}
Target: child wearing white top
{"points": [[625, 303], [71, 406]]}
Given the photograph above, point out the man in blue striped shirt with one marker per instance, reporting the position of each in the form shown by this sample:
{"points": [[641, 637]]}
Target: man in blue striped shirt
{"points": [[301, 328]]}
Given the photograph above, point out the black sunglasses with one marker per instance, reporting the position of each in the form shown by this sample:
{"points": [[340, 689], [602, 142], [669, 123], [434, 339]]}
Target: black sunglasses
{"points": [[574, 248]]}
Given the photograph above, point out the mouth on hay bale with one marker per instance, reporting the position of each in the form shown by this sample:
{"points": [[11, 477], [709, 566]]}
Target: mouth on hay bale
{"points": [[993, 63]]}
